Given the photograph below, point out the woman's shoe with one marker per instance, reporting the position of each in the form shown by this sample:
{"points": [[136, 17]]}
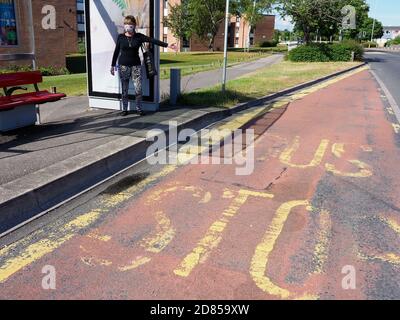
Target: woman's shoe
{"points": [[140, 112], [124, 113]]}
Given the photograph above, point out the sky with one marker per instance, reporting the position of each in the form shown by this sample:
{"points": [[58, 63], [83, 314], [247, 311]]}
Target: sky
{"points": [[386, 11]]}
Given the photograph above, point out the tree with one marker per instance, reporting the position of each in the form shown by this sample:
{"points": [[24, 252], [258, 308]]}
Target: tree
{"points": [[206, 17], [312, 16], [366, 29], [252, 11], [178, 21]]}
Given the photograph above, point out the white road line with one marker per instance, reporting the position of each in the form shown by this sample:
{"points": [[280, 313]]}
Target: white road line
{"points": [[389, 96]]}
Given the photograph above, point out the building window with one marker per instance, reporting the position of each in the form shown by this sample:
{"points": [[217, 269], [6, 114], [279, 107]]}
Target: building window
{"points": [[80, 17], [8, 23], [186, 43]]}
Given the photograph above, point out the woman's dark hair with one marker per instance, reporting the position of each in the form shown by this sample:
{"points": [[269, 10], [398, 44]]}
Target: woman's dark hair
{"points": [[130, 20]]}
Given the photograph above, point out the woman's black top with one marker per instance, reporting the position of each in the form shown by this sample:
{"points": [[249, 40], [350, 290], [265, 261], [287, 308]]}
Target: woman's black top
{"points": [[127, 49]]}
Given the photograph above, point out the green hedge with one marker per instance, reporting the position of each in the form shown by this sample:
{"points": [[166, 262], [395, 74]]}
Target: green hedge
{"points": [[277, 49], [76, 63], [46, 71], [394, 42], [370, 44], [322, 52], [268, 44]]}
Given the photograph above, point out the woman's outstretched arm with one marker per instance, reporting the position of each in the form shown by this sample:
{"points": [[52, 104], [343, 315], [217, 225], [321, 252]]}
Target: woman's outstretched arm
{"points": [[154, 41]]}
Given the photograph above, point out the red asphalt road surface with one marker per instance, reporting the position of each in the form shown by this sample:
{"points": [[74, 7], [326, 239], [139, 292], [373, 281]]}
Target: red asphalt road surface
{"points": [[221, 236]]}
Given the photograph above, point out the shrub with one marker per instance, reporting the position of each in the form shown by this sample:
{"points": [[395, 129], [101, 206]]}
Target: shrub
{"points": [[354, 46], [82, 47], [394, 42], [321, 52], [277, 49], [268, 44], [76, 63], [310, 53], [370, 44], [46, 71]]}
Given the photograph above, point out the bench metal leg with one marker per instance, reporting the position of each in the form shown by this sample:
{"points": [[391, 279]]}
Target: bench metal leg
{"points": [[39, 119]]}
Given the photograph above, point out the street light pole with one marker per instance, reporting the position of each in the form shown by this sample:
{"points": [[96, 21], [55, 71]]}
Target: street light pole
{"points": [[225, 47], [373, 30], [32, 33], [373, 27]]}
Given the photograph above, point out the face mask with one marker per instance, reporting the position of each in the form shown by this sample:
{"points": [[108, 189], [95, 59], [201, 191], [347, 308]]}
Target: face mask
{"points": [[129, 28]]}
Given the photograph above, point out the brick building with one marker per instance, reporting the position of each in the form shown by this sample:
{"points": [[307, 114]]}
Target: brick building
{"points": [[51, 45], [237, 32]]}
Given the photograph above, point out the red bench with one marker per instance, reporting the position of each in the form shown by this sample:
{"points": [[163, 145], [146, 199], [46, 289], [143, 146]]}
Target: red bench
{"points": [[12, 82]]}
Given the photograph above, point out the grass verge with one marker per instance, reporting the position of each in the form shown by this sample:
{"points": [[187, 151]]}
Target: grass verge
{"points": [[262, 82], [71, 84], [189, 63]]}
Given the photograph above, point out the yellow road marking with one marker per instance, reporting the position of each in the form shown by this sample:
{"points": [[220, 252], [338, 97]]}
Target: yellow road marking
{"points": [[367, 148], [321, 249], [98, 237], [43, 247], [32, 252], [91, 262], [391, 258], [338, 149], [287, 154], [165, 234], [392, 223], [140, 261], [214, 235], [50, 242], [390, 111], [365, 170], [262, 253]]}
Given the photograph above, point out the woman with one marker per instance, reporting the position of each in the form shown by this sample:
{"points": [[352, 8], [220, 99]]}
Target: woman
{"points": [[127, 49]]}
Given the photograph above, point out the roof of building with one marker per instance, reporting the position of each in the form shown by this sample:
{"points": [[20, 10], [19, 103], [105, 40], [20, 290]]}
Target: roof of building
{"points": [[391, 28]]}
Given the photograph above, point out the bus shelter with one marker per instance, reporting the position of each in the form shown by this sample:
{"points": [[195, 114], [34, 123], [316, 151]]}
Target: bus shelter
{"points": [[104, 21]]}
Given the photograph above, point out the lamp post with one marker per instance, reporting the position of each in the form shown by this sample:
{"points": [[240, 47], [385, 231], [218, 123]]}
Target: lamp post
{"points": [[373, 27], [32, 33], [225, 47], [373, 30]]}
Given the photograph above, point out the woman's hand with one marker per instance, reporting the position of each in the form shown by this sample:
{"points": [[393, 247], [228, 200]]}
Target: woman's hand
{"points": [[112, 71], [172, 46]]}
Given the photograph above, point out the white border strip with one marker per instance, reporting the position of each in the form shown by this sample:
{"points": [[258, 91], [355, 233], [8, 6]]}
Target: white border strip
{"points": [[389, 96]]}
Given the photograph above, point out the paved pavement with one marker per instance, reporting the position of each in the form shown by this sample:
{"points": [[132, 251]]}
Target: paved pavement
{"points": [[317, 219], [69, 128], [214, 77], [75, 107]]}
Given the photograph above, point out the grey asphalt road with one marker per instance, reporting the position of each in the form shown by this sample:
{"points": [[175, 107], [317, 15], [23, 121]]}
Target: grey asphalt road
{"points": [[387, 66]]}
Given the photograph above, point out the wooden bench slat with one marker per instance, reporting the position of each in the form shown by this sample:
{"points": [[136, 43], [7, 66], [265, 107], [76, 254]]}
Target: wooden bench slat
{"points": [[20, 78]]}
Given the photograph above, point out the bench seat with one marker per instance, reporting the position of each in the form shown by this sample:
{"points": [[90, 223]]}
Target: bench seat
{"points": [[40, 97]]}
